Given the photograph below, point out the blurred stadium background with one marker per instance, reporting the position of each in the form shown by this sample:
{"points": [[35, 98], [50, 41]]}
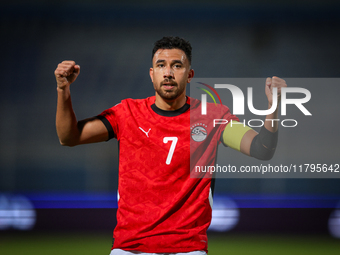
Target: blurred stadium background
{"points": [[59, 200]]}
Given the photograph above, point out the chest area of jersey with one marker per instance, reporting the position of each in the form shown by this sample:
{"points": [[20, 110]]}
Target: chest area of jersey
{"points": [[164, 141]]}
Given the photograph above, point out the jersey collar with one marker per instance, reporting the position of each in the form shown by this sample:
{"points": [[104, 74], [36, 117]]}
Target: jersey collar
{"points": [[174, 113]]}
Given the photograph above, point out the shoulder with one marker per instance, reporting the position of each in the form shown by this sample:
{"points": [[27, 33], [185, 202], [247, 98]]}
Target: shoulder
{"points": [[132, 103], [143, 101], [210, 108]]}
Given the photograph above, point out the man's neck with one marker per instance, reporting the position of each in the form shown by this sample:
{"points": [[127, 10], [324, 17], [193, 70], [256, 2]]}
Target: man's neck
{"points": [[170, 105]]}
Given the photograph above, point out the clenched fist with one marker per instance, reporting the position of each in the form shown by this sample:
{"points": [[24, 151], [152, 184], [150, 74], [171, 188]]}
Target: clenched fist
{"points": [[66, 73], [274, 82]]}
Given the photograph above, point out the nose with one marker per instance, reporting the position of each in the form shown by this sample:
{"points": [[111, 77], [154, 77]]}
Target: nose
{"points": [[168, 73]]}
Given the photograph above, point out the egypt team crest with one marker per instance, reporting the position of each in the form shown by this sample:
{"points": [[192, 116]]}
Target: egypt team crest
{"points": [[199, 133]]}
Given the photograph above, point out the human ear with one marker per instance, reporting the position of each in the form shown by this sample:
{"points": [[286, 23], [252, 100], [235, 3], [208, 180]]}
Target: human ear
{"points": [[151, 73], [190, 75]]}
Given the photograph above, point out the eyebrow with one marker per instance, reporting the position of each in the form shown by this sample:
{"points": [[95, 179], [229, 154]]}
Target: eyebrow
{"points": [[177, 61], [160, 60], [173, 62]]}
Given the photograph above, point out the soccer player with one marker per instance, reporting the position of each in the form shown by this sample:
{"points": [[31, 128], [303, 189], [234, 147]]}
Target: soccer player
{"points": [[160, 208]]}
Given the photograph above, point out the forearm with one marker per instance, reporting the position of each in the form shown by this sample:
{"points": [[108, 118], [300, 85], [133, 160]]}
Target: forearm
{"points": [[264, 144], [66, 121], [271, 122]]}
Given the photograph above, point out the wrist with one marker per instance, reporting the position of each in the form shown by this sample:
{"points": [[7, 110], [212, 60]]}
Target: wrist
{"points": [[63, 93], [63, 89]]}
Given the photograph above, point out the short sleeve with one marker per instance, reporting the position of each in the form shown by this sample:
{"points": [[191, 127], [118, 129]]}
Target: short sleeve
{"points": [[110, 120]]}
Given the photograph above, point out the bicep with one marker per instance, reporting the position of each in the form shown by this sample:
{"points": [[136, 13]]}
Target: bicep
{"points": [[238, 137], [243, 138], [246, 141], [92, 130]]}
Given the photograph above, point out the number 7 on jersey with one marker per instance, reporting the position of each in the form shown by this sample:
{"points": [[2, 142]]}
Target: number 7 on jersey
{"points": [[172, 147]]}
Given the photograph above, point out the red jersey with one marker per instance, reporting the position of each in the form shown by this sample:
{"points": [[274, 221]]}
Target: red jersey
{"points": [[160, 208]]}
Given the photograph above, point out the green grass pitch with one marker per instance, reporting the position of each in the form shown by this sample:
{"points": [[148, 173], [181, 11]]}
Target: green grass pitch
{"points": [[31, 243]]}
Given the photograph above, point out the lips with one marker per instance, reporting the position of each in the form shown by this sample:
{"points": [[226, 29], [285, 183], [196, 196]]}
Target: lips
{"points": [[168, 85]]}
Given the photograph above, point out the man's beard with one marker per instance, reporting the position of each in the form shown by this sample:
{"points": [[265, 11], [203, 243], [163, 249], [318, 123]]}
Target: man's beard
{"points": [[171, 94]]}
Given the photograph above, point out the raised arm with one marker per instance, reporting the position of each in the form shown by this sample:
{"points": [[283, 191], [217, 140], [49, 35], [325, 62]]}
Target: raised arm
{"points": [[259, 145], [70, 131]]}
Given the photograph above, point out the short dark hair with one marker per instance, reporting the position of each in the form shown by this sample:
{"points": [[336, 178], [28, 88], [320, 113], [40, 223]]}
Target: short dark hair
{"points": [[170, 42]]}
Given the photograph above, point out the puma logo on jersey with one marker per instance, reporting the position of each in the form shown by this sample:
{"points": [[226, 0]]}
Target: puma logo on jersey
{"points": [[146, 133]]}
